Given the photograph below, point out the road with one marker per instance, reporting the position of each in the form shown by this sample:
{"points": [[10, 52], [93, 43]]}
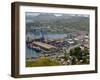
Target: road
{"points": [[73, 47]]}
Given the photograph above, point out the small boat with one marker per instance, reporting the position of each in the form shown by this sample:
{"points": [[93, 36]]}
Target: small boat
{"points": [[37, 49]]}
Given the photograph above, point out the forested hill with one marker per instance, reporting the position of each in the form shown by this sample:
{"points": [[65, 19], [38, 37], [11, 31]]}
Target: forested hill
{"points": [[63, 22]]}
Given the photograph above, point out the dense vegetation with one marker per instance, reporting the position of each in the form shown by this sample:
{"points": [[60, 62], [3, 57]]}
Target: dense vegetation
{"points": [[81, 56]]}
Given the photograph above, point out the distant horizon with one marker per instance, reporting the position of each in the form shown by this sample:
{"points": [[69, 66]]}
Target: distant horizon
{"points": [[55, 14], [36, 14]]}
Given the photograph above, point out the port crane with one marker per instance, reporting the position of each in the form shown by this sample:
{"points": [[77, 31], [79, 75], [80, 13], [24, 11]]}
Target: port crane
{"points": [[41, 31]]}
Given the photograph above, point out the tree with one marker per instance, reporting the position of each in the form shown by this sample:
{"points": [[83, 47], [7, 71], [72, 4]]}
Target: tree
{"points": [[78, 53], [65, 55]]}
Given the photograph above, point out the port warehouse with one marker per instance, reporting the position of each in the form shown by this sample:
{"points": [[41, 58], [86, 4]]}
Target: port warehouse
{"points": [[43, 45]]}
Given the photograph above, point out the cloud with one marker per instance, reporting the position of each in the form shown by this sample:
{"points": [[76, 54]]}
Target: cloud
{"points": [[57, 15], [32, 14], [83, 15]]}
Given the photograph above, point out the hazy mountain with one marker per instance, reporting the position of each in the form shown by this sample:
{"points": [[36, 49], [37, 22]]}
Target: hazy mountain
{"points": [[63, 22]]}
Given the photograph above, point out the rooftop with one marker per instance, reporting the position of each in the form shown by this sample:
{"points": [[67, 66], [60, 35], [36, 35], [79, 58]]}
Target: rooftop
{"points": [[44, 45]]}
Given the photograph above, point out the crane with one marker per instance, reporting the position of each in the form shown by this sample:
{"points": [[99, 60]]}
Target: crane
{"points": [[41, 32]]}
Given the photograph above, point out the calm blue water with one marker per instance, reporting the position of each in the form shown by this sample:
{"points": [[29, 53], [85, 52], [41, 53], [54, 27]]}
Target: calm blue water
{"points": [[47, 36], [31, 53]]}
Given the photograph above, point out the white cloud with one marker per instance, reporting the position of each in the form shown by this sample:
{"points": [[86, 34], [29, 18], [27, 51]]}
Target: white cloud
{"points": [[32, 14], [58, 15], [83, 15]]}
